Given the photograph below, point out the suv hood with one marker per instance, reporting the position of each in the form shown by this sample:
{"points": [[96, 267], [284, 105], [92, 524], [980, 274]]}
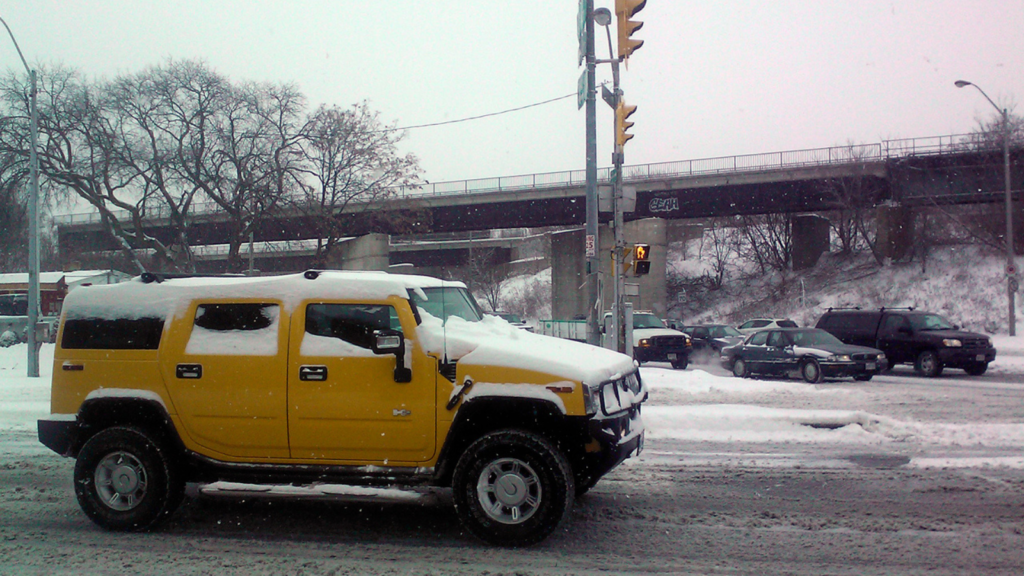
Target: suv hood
{"points": [[494, 342], [641, 333], [959, 334]]}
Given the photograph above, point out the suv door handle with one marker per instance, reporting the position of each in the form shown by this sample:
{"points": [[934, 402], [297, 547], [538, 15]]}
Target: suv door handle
{"points": [[189, 371], [313, 373]]}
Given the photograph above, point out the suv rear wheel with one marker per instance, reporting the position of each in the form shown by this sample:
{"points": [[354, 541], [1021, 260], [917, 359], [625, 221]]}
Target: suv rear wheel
{"points": [[126, 481], [512, 488]]}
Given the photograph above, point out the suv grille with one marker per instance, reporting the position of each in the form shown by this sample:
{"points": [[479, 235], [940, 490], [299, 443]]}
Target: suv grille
{"points": [[975, 343], [668, 341]]}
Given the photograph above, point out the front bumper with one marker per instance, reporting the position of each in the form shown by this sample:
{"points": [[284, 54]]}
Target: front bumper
{"points": [[853, 368], [661, 354], [619, 438], [956, 357]]}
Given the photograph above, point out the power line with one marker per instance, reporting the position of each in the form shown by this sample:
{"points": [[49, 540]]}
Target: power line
{"points": [[482, 115]]}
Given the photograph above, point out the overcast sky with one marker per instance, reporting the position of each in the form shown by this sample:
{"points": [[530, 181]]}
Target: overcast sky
{"points": [[712, 79]]}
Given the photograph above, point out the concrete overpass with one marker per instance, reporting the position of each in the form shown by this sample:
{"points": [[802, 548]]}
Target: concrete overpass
{"points": [[901, 173]]}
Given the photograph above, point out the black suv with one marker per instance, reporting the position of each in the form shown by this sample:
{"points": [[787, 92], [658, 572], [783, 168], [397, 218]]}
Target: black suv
{"points": [[926, 340]]}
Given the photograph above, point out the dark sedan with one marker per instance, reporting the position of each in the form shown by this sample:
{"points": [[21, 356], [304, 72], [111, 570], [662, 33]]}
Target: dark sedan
{"points": [[812, 353], [709, 338]]}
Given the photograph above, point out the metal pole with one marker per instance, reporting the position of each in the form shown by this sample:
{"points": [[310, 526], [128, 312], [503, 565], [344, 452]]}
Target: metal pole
{"points": [[1012, 313], [592, 260], [33, 221], [33, 242], [619, 220]]}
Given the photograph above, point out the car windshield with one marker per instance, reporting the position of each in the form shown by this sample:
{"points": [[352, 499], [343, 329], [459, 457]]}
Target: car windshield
{"points": [[723, 331], [929, 322], [647, 321], [813, 337], [445, 302]]}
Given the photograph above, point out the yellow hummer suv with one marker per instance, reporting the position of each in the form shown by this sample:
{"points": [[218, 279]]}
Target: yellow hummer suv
{"points": [[349, 377]]}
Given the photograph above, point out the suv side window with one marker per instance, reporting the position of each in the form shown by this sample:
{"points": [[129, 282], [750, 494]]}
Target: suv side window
{"points": [[759, 338], [352, 323], [120, 334], [235, 330], [892, 323]]}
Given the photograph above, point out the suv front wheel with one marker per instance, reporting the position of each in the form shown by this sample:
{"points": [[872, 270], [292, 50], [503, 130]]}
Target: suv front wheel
{"points": [[928, 364], [512, 488], [125, 481]]}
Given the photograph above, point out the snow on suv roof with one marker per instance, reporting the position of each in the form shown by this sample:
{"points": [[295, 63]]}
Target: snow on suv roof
{"points": [[139, 299]]}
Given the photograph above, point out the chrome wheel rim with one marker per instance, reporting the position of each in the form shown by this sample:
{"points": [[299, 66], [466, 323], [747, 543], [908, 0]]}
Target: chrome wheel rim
{"points": [[927, 363], [121, 481], [509, 491], [739, 368], [811, 371]]}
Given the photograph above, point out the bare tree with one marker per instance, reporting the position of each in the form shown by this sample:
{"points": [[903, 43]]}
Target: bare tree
{"points": [[485, 273], [769, 241], [350, 164]]}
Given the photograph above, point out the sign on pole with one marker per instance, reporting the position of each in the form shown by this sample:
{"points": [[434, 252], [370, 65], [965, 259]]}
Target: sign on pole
{"points": [[581, 90], [591, 246], [581, 32]]}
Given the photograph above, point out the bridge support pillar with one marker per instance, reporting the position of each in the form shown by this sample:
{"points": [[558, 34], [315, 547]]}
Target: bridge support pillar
{"points": [[568, 276], [895, 230], [369, 252], [810, 237]]}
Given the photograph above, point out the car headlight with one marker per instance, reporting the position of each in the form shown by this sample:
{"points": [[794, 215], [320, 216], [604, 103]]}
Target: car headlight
{"points": [[952, 343], [839, 358], [880, 357], [643, 342]]}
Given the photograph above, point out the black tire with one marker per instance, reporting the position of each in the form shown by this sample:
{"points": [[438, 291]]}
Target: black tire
{"points": [[512, 488], [583, 485], [863, 377], [681, 364], [976, 369], [739, 368], [125, 481], [928, 364], [811, 371]]}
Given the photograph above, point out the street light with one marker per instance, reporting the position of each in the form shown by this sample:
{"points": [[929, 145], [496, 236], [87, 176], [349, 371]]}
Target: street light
{"points": [[1011, 269], [33, 222]]}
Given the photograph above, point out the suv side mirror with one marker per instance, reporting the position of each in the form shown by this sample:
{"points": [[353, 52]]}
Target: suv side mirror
{"points": [[392, 342]]}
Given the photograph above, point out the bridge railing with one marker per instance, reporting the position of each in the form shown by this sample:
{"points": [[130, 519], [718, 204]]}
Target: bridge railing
{"points": [[760, 162]]}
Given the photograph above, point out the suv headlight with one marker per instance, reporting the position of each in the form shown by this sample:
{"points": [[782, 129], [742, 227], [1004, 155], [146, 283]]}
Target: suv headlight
{"points": [[952, 343], [591, 400], [643, 343]]}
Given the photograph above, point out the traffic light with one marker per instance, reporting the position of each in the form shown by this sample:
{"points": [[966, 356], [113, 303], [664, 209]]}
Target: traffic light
{"points": [[622, 112], [641, 259], [624, 10]]}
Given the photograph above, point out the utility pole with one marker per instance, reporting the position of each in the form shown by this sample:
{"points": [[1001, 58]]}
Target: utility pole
{"points": [[591, 260]]}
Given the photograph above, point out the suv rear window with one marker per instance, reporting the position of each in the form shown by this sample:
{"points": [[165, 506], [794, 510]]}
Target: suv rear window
{"points": [[119, 334], [786, 324]]}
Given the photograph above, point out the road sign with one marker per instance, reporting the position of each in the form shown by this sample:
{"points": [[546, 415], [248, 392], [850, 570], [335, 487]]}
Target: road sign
{"points": [[581, 31], [581, 90], [591, 246]]}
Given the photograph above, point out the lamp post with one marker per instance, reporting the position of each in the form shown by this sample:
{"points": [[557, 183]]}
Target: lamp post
{"points": [[1011, 269], [33, 221]]}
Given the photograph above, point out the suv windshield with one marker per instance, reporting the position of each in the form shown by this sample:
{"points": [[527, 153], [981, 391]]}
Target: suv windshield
{"points": [[647, 321], [813, 337], [448, 301], [929, 322]]}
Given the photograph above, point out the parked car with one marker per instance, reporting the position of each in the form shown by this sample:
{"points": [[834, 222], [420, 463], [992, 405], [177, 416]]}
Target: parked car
{"points": [[755, 324], [513, 319], [928, 341], [709, 339], [812, 353]]}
